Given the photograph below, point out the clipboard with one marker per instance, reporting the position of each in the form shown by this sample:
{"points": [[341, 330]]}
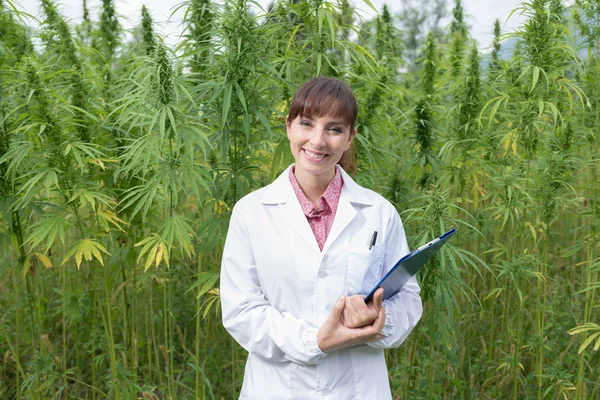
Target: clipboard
{"points": [[408, 266]]}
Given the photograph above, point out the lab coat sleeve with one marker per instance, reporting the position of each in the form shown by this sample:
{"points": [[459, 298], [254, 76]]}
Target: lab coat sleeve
{"points": [[404, 309], [247, 315]]}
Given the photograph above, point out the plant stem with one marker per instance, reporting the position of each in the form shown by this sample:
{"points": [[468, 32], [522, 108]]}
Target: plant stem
{"points": [[167, 341], [94, 301], [197, 344], [109, 332], [591, 277], [64, 328]]}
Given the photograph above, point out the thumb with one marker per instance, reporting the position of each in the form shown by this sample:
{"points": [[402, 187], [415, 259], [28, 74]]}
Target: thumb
{"points": [[378, 298]]}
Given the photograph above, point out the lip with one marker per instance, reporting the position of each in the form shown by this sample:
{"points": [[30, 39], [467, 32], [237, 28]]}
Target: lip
{"points": [[307, 156]]}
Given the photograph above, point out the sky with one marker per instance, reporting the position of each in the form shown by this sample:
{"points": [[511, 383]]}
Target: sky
{"points": [[480, 14]]}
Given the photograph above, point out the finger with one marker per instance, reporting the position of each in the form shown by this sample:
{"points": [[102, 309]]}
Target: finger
{"points": [[360, 313], [380, 321], [365, 315], [369, 331], [360, 308], [338, 308], [377, 299], [373, 300], [350, 305]]}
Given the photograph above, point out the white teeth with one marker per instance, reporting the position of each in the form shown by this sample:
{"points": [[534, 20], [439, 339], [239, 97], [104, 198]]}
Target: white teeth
{"points": [[314, 155]]}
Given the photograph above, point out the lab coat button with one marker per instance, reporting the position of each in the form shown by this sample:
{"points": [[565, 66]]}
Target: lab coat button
{"points": [[325, 392], [323, 273]]}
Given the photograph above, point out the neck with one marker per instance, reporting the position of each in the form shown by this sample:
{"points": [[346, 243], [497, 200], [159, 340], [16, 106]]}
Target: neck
{"points": [[314, 186]]}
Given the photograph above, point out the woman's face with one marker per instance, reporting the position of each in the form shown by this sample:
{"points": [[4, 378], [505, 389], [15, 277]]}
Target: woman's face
{"points": [[318, 143]]}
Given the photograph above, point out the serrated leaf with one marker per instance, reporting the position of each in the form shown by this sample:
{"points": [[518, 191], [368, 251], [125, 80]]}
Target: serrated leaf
{"points": [[536, 76], [26, 266], [44, 259], [151, 257], [155, 249], [106, 216], [46, 230], [587, 342], [495, 291], [368, 2], [583, 328], [159, 255], [87, 248], [207, 283]]}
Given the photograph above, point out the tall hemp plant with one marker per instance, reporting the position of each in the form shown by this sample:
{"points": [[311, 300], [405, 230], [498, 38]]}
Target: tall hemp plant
{"points": [[163, 156], [459, 36], [108, 142], [585, 15], [426, 162], [538, 82], [14, 47]]}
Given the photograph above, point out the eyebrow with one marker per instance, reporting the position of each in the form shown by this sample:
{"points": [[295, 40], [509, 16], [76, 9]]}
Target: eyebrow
{"points": [[337, 123]]}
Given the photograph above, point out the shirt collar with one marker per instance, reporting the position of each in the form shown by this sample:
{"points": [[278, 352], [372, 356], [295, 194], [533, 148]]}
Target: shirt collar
{"points": [[280, 190], [328, 200]]}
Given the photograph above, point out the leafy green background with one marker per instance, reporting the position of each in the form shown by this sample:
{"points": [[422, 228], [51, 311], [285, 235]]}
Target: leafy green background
{"points": [[121, 159]]}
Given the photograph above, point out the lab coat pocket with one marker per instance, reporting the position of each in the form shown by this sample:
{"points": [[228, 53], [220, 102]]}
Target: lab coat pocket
{"points": [[364, 268]]}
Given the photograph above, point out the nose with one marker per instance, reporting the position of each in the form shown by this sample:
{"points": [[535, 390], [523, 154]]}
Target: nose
{"points": [[317, 139]]}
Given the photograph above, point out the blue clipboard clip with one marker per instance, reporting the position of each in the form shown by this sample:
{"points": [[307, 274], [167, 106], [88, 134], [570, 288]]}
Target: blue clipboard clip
{"points": [[408, 266]]}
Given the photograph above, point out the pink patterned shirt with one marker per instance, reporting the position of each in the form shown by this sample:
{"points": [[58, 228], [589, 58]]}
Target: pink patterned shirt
{"points": [[320, 220]]}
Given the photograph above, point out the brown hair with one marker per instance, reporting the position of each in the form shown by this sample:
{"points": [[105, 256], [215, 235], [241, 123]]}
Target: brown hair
{"points": [[325, 96]]}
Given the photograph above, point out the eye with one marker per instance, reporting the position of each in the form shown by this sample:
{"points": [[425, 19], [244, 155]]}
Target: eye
{"points": [[304, 123], [336, 129]]}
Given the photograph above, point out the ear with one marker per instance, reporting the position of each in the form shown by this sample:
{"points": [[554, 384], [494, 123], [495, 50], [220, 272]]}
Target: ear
{"points": [[287, 125], [351, 139]]}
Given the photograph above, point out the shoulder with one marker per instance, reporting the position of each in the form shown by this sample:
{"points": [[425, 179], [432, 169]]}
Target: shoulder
{"points": [[366, 196], [249, 201], [378, 200]]}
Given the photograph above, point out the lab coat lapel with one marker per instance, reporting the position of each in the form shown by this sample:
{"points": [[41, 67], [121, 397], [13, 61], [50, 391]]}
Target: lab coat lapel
{"points": [[352, 196], [297, 220], [281, 191], [343, 216]]}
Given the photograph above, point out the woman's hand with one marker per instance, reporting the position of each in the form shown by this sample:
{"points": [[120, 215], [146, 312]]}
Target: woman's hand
{"points": [[357, 313], [333, 335]]}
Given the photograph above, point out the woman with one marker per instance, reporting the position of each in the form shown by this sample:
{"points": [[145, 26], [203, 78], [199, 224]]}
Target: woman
{"points": [[298, 254]]}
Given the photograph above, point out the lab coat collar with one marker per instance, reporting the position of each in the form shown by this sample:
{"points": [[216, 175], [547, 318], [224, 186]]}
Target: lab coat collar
{"points": [[281, 189]]}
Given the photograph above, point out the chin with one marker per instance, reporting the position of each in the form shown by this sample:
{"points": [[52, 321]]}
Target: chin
{"points": [[315, 169]]}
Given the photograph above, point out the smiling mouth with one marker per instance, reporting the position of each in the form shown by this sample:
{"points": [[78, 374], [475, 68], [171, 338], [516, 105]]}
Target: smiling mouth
{"points": [[315, 156]]}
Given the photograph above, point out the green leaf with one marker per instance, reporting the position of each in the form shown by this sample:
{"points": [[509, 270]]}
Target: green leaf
{"points": [[15, 155], [206, 281], [241, 97], [536, 76], [494, 292], [587, 342], [46, 231], [49, 175], [44, 259], [87, 248], [368, 2], [177, 231], [226, 104], [155, 250], [583, 328]]}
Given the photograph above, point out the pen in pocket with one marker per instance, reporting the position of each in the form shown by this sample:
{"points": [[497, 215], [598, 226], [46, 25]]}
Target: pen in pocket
{"points": [[373, 240]]}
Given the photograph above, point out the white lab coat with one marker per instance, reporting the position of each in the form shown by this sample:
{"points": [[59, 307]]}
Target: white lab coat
{"points": [[278, 288]]}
